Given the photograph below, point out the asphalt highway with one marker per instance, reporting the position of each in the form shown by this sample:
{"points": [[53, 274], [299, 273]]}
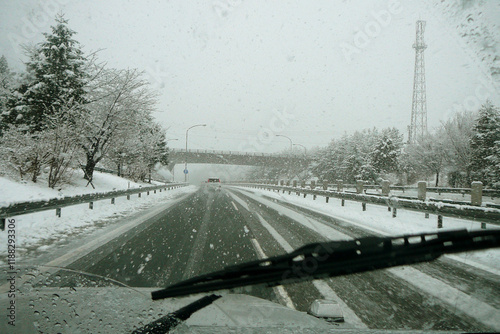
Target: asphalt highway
{"points": [[213, 228]]}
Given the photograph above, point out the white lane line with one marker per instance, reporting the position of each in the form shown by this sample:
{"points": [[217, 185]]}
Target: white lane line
{"points": [[85, 249], [471, 306], [288, 248], [324, 289], [365, 226], [486, 314], [234, 206], [239, 200], [314, 225], [472, 263], [279, 290]]}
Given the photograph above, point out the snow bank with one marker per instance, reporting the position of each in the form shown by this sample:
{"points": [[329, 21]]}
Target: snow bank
{"points": [[41, 231]]}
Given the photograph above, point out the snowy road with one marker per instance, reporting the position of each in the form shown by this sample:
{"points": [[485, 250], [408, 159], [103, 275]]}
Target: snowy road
{"points": [[210, 229]]}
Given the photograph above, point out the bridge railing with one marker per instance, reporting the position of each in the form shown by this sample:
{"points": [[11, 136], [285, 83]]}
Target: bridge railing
{"points": [[251, 154], [22, 208], [490, 213]]}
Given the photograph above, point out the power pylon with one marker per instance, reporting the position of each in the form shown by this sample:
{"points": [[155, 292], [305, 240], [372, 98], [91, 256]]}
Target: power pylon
{"points": [[418, 127]]}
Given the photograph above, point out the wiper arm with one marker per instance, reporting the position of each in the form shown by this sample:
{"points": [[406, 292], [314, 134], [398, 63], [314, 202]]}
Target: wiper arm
{"points": [[336, 258]]}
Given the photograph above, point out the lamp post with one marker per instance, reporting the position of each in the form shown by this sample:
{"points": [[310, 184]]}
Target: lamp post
{"points": [[291, 144], [185, 159]]}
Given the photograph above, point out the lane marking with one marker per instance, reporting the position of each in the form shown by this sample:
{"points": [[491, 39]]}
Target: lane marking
{"points": [[239, 201], [288, 248], [375, 230], [279, 290], [234, 206], [471, 306], [94, 244], [324, 289], [481, 311]]}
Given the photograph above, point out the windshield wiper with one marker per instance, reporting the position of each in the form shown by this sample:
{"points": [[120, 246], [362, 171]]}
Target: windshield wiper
{"points": [[335, 258]]}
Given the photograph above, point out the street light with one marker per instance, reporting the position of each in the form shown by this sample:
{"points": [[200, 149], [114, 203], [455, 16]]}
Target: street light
{"points": [[291, 144], [305, 149], [185, 160]]}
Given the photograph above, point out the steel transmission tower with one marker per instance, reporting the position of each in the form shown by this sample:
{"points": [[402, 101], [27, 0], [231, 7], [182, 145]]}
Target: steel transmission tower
{"points": [[418, 127]]}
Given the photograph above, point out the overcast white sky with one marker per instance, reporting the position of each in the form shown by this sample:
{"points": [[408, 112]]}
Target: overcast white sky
{"points": [[234, 64]]}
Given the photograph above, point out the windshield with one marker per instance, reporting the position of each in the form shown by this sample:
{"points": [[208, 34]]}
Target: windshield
{"points": [[146, 143]]}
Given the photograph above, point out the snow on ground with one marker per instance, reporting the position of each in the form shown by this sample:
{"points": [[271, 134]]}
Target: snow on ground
{"points": [[376, 218], [40, 231], [13, 191]]}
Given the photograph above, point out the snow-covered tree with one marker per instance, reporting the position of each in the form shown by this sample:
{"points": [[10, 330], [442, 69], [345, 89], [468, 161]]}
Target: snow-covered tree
{"points": [[385, 155], [7, 82], [54, 82], [23, 151], [427, 156], [118, 100], [456, 134], [484, 144]]}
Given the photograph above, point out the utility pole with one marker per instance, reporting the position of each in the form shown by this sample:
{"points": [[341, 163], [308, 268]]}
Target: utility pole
{"points": [[418, 127]]}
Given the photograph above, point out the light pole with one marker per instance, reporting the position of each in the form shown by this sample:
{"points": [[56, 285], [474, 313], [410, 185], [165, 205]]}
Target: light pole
{"points": [[291, 144], [305, 149], [185, 158]]}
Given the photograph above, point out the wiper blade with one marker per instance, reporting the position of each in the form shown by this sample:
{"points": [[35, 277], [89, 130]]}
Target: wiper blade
{"points": [[336, 258]]}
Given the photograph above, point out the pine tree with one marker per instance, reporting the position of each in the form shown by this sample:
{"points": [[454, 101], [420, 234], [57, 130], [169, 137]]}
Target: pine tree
{"points": [[485, 145], [55, 79], [6, 86], [385, 155]]}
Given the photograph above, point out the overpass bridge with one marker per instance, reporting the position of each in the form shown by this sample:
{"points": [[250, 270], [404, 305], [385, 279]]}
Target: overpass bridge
{"points": [[178, 156]]}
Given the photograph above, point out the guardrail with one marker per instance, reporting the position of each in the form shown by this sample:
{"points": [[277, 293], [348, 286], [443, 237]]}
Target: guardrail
{"points": [[493, 193], [467, 211], [22, 208], [253, 154]]}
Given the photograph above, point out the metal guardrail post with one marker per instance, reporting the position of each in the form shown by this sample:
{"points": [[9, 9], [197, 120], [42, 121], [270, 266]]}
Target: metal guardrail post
{"points": [[359, 186], [439, 208], [422, 189], [386, 188], [91, 205], [340, 186], [476, 194]]}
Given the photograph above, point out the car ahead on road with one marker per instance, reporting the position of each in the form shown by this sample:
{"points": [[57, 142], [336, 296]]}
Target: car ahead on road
{"points": [[213, 180], [214, 183], [48, 299]]}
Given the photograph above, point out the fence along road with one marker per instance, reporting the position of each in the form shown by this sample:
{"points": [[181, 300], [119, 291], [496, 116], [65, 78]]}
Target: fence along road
{"points": [[462, 210], [22, 208]]}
